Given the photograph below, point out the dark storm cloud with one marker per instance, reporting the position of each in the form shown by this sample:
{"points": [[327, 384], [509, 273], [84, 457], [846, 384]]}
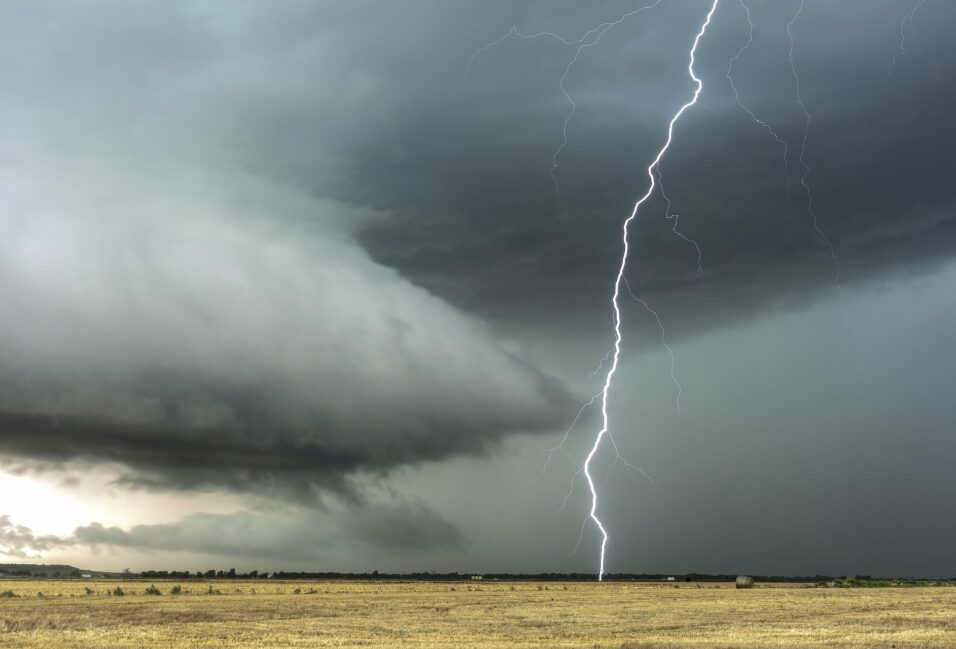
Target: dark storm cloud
{"points": [[479, 222], [267, 452], [213, 352], [218, 219], [176, 304]]}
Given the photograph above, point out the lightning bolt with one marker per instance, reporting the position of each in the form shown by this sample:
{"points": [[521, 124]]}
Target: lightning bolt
{"points": [[514, 31], [908, 18], [670, 351], [560, 448], [617, 458], [590, 38], [597, 370], [619, 280], [671, 216], [806, 169], [746, 109], [564, 440], [599, 33], [654, 174]]}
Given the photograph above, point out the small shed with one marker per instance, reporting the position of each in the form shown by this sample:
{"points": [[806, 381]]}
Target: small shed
{"points": [[744, 582]]}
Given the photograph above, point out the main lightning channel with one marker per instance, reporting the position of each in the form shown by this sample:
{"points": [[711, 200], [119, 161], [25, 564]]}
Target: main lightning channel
{"points": [[605, 428]]}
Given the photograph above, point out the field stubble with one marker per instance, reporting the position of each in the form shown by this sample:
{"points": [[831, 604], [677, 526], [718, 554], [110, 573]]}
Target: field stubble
{"points": [[52, 614]]}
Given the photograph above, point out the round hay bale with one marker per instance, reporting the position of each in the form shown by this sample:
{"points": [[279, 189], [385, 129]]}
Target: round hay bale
{"points": [[744, 582]]}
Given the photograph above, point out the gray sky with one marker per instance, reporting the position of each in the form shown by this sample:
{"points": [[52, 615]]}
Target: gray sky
{"points": [[300, 272]]}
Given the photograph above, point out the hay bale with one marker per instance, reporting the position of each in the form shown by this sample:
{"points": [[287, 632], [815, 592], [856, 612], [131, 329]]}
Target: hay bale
{"points": [[744, 582]]}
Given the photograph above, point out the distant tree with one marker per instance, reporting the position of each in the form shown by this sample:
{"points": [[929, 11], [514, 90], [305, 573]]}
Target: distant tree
{"points": [[127, 573]]}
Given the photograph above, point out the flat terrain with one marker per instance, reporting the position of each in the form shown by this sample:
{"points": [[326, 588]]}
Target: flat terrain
{"points": [[268, 614]]}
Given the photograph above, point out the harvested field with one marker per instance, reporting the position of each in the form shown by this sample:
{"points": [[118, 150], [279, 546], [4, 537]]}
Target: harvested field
{"points": [[51, 614]]}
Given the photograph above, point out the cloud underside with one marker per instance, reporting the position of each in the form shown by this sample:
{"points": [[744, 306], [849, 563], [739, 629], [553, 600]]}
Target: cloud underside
{"points": [[197, 345]]}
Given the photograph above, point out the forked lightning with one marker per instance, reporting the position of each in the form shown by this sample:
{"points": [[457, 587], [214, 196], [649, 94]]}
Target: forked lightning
{"points": [[619, 280]]}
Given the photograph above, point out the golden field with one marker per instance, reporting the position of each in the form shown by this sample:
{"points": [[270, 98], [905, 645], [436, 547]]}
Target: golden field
{"points": [[51, 614]]}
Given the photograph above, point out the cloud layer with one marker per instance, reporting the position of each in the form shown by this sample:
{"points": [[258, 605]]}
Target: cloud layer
{"points": [[187, 338], [284, 535]]}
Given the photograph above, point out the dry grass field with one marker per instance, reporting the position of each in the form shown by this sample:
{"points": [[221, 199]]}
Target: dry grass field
{"points": [[264, 614]]}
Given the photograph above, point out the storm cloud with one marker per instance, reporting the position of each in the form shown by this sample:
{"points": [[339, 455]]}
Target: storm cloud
{"points": [[202, 326], [504, 242], [294, 251], [198, 346]]}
